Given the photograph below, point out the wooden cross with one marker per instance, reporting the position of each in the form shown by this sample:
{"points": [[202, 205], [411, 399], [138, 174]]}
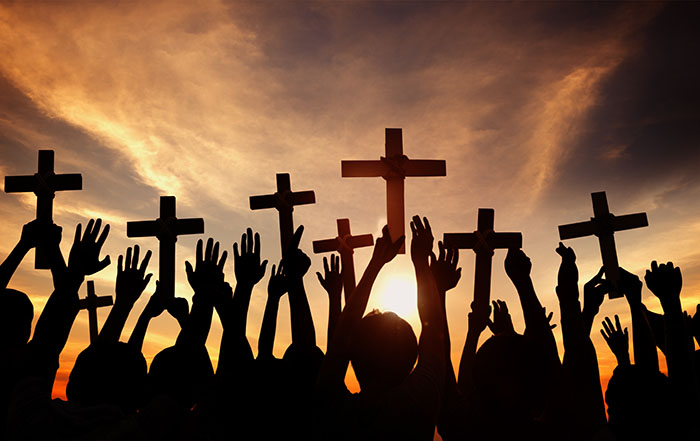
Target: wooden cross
{"points": [[394, 168], [284, 201], [44, 184], [604, 225], [345, 244], [91, 303], [483, 241], [166, 228]]}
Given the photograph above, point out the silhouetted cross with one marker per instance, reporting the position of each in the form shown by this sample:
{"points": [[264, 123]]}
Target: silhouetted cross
{"points": [[604, 224], [345, 244], [284, 201], [44, 184], [166, 228], [394, 168], [91, 303], [483, 241]]}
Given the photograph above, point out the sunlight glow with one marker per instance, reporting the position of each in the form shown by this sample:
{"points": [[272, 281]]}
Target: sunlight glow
{"points": [[397, 293]]}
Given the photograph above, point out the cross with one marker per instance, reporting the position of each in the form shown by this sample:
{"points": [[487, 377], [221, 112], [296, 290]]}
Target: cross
{"points": [[91, 303], [604, 224], [345, 244], [284, 201], [166, 228], [483, 241], [394, 168], [44, 184]]}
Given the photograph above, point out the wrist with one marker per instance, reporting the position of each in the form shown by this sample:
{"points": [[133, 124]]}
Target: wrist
{"points": [[623, 360]]}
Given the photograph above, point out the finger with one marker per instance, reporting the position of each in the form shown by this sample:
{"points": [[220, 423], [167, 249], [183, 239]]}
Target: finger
{"points": [[146, 260], [296, 239], [120, 259], [455, 258], [413, 228], [427, 225], [560, 249], [128, 259], [605, 336], [215, 253], [135, 262], [320, 278], [208, 250], [617, 323], [607, 329], [418, 224], [78, 232], [459, 273], [325, 266], [441, 250], [398, 244], [654, 265], [599, 276], [103, 236], [222, 262], [198, 257], [489, 323], [88, 229], [236, 256], [95, 230], [280, 269], [609, 322], [431, 259], [249, 233], [256, 247]]}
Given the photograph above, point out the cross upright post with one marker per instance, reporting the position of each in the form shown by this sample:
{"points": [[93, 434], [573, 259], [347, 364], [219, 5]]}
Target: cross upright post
{"points": [[483, 241], [166, 228], [394, 168], [345, 244], [44, 184], [284, 200], [91, 303], [604, 224]]}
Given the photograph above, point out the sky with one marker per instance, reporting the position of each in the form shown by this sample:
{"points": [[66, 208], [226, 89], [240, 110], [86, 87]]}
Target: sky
{"points": [[534, 106]]}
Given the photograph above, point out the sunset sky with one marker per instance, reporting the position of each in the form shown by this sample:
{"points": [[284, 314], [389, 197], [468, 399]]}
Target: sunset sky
{"points": [[533, 105]]}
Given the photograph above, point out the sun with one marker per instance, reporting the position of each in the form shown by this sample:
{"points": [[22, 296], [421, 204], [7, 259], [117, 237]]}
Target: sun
{"points": [[397, 293]]}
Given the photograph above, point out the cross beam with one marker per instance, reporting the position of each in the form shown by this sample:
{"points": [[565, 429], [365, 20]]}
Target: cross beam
{"points": [[483, 241], [166, 228], [604, 225], [284, 200], [91, 303], [44, 184], [345, 244], [395, 167]]}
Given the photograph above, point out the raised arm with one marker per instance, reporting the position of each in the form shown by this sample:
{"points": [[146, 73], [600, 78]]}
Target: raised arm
{"points": [[206, 279], [593, 295], [131, 281], [27, 241], [276, 288], [617, 340], [154, 308], [332, 282], [642, 337], [335, 364], [296, 264]]}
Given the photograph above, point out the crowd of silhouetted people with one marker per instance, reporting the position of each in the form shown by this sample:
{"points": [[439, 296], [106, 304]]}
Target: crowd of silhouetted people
{"points": [[514, 386]]}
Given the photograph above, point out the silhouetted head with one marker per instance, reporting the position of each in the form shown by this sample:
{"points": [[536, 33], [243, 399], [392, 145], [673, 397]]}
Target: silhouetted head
{"points": [[383, 350], [635, 395], [16, 314], [508, 381], [302, 364], [182, 372], [108, 373]]}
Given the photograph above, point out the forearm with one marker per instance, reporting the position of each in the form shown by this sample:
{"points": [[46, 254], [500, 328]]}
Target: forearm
{"points": [[533, 313], [430, 308], [11, 263], [643, 340], [237, 319], [466, 363], [334, 311], [56, 320], [303, 331], [112, 329], [138, 335], [196, 329], [268, 329], [679, 348]]}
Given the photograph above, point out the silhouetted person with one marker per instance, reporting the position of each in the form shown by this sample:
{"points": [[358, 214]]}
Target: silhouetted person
{"points": [[396, 401]]}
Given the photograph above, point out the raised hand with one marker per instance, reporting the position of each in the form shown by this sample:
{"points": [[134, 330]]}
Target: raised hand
{"points": [[332, 278], [594, 292], [277, 285], [179, 309], [131, 278], [156, 304], [31, 234], [630, 285], [296, 263], [568, 271], [549, 318], [665, 281], [247, 266], [384, 249], [617, 340], [444, 268], [421, 241], [209, 270], [84, 258], [478, 319], [517, 265], [502, 322]]}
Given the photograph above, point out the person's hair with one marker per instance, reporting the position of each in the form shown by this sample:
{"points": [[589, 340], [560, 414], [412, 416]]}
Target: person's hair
{"points": [[108, 373], [383, 350], [183, 372], [16, 314]]}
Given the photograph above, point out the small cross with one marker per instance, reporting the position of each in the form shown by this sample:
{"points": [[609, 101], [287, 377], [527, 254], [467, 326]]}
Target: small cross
{"points": [[91, 303], [284, 201], [345, 244], [166, 228], [604, 225], [394, 168], [483, 241], [44, 184]]}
